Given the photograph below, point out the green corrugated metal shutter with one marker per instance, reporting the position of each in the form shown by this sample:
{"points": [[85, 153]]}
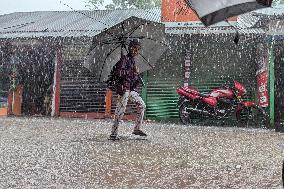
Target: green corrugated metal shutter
{"points": [[162, 99], [161, 84]]}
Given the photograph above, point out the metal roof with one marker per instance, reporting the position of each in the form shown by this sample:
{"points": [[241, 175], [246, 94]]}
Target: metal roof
{"points": [[212, 30], [90, 23], [67, 23], [275, 10]]}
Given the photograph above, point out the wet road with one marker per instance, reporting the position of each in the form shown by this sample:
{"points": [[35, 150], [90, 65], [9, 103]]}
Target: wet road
{"points": [[75, 153]]}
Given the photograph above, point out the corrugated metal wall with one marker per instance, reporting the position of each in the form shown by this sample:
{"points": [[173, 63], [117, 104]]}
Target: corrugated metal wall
{"points": [[80, 92]]}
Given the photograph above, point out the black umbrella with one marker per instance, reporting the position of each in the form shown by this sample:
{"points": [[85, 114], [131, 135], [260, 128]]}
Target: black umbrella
{"points": [[109, 45], [213, 11]]}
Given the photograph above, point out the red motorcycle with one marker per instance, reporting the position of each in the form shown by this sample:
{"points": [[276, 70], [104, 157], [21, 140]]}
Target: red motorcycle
{"points": [[219, 103]]}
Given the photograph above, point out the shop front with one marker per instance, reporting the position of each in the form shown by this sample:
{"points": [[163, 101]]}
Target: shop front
{"points": [[212, 58], [26, 78]]}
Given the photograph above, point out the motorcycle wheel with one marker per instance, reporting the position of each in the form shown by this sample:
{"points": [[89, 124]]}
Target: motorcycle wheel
{"points": [[187, 117], [253, 117]]}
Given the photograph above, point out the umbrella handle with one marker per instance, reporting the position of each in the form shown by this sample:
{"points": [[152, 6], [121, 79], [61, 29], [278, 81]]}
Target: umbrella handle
{"points": [[123, 46]]}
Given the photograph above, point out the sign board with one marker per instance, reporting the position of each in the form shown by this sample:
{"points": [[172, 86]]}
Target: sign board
{"points": [[187, 66], [261, 74]]}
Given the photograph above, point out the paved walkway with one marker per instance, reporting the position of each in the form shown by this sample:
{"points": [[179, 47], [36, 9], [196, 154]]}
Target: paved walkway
{"points": [[75, 153]]}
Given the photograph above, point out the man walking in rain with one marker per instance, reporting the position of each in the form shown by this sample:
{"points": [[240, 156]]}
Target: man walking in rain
{"points": [[126, 76]]}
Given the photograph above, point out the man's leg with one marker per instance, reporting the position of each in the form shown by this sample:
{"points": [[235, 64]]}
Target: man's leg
{"points": [[134, 97], [119, 112]]}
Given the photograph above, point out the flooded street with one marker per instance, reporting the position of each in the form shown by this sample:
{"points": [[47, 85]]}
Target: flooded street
{"points": [[76, 153]]}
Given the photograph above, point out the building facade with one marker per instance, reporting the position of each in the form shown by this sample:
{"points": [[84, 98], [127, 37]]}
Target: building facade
{"points": [[42, 56]]}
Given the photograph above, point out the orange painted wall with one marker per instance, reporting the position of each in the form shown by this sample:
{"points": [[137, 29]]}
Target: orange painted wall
{"points": [[3, 111], [108, 99], [178, 11]]}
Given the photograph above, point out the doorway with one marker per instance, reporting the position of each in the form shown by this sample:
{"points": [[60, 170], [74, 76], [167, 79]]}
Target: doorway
{"points": [[35, 72]]}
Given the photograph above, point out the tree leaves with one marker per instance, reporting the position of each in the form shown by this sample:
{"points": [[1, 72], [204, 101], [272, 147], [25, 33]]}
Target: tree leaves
{"points": [[124, 4]]}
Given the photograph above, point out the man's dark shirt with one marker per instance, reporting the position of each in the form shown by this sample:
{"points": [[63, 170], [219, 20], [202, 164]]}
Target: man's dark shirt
{"points": [[126, 74]]}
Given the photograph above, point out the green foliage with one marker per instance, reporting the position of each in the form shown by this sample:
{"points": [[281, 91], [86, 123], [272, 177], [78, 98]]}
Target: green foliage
{"points": [[123, 4]]}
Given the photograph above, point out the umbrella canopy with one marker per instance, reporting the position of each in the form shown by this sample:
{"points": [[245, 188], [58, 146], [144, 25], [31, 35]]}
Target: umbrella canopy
{"points": [[109, 45], [211, 12]]}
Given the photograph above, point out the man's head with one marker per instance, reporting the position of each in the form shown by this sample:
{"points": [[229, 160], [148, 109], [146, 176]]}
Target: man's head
{"points": [[134, 47]]}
